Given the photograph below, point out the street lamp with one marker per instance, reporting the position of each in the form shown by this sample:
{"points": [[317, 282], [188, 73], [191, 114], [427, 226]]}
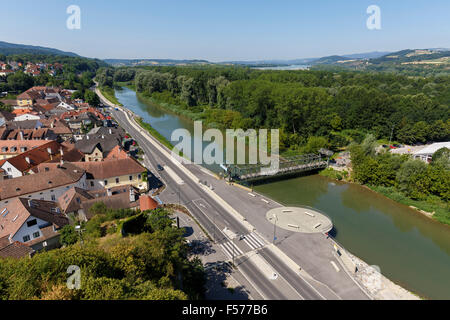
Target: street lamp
{"points": [[79, 230], [274, 227]]}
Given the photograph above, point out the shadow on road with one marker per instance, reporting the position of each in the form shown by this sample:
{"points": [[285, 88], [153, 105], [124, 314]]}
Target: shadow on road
{"points": [[219, 286]]}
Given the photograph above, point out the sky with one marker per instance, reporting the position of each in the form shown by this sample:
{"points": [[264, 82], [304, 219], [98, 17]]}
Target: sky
{"points": [[218, 30]]}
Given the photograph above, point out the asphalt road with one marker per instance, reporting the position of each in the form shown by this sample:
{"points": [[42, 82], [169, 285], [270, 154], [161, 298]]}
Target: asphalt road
{"points": [[214, 218]]}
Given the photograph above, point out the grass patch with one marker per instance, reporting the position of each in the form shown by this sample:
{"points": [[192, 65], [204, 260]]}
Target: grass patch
{"points": [[334, 174], [440, 208], [109, 94], [129, 84], [155, 133]]}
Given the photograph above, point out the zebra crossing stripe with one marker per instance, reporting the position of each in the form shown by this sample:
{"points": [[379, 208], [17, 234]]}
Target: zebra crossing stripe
{"points": [[232, 249], [258, 239], [251, 242], [226, 251]]}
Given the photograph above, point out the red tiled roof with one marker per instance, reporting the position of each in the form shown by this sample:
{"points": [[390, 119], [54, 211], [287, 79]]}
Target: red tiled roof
{"points": [[35, 156], [147, 203]]}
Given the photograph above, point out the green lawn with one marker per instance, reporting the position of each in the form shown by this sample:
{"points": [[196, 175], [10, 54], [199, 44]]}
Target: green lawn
{"points": [[109, 94]]}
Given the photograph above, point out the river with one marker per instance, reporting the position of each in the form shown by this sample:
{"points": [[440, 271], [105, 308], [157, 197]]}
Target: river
{"points": [[412, 250]]}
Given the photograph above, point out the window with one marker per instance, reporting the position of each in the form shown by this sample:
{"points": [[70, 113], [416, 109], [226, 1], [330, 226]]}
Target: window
{"points": [[139, 176], [53, 197], [32, 223], [106, 182], [92, 183], [26, 238], [117, 180], [131, 178], [36, 234]]}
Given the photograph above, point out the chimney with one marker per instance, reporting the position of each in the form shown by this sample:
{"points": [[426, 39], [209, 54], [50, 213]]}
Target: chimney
{"points": [[109, 192], [27, 159], [110, 131], [52, 125], [103, 137], [87, 137], [20, 135], [132, 195]]}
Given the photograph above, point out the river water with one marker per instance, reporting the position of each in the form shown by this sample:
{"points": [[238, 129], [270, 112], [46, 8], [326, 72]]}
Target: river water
{"points": [[410, 249]]}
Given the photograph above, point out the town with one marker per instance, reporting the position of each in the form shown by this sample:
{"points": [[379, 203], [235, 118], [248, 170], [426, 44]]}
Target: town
{"points": [[58, 157]]}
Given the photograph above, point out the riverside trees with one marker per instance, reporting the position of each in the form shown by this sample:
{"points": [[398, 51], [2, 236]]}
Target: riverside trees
{"points": [[337, 106]]}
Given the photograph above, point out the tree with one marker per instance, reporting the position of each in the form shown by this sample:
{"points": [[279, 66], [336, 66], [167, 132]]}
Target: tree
{"points": [[68, 235], [411, 179], [91, 98]]}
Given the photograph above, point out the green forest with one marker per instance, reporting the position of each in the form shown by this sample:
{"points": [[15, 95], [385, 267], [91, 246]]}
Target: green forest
{"points": [[337, 107], [123, 255]]}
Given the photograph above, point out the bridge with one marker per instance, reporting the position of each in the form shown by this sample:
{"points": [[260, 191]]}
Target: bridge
{"points": [[289, 165]]}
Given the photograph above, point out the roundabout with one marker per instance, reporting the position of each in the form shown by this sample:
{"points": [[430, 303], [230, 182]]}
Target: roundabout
{"points": [[300, 219]]}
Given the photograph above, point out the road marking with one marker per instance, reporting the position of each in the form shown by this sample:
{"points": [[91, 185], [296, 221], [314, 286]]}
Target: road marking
{"points": [[335, 266], [264, 200], [252, 194], [231, 249], [253, 241], [173, 175]]}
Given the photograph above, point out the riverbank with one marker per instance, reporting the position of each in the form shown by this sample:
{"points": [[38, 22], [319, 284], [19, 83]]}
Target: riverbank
{"points": [[360, 216], [433, 207], [110, 95]]}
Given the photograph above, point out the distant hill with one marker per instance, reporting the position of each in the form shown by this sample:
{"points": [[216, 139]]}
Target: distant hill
{"points": [[412, 55], [11, 48], [153, 62], [368, 55]]}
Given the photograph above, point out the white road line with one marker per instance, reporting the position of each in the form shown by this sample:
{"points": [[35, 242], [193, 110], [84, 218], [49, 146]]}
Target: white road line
{"points": [[258, 239], [233, 248], [255, 244], [249, 244], [335, 266], [230, 255], [251, 194]]}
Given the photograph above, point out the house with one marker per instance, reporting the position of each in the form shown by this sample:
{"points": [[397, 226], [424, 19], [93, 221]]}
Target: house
{"points": [[77, 201], [5, 116], [26, 162], [26, 114], [96, 149], [114, 173], [426, 153], [29, 97], [116, 153], [35, 223], [4, 73], [14, 249], [12, 148], [147, 203], [31, 134], [46, 184]]}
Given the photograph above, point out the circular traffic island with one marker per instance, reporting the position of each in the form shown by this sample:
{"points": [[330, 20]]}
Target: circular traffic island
{"points": [[300, 219]]}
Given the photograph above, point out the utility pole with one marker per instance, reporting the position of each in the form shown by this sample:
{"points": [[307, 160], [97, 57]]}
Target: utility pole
{"points": [[392, 132], [79, 230], [274, 227]]}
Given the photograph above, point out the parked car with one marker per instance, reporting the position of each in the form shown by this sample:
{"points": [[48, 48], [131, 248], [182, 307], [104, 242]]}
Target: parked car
{"points": [[159, 167]]}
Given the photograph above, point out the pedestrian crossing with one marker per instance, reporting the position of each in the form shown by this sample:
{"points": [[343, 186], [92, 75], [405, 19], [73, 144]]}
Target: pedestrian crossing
{"points": [[231, 249], [254, 241]]}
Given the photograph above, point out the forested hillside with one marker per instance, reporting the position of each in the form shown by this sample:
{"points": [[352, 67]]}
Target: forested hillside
{"points": [[76, 72]]}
